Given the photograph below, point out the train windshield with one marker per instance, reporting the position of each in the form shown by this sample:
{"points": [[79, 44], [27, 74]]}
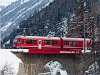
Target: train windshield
{"points": [[15, 40]]}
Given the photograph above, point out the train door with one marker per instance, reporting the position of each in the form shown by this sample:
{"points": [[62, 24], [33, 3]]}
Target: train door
{"points": [[39, 44]]}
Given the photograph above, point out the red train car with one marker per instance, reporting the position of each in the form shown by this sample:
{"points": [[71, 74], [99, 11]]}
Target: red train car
{"points": [[51, 45], [75, 45]]}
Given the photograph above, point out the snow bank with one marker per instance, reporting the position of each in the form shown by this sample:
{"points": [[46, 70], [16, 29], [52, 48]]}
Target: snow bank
{"points": [[9, 61], [6, 2], [93, 69], [55, 67]]}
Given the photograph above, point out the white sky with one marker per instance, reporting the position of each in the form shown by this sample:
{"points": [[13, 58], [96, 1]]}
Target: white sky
{"points": [[6, 2]]}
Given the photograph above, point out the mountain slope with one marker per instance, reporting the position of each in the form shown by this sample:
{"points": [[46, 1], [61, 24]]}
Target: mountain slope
{"points": [[37, 17], [50, 21], [18, 11]]}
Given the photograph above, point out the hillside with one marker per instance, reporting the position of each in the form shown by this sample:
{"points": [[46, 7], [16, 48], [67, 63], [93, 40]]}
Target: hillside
{"points": [[16, 12], [51, 20]]}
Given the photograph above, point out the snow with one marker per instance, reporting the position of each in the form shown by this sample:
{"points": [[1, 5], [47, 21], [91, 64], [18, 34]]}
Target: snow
{"points": [[41, 37], [8, 58], [55, 67], [17, 50], [6, 2], [76, 39], [63, 72], [93, 69], [8, 42], [86, 51]]}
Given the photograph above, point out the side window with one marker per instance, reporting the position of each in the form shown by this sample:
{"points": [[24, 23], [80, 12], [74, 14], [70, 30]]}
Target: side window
{"points": [[73, 43], [31, 41], [34, 41], [50, 42], [66, 42], [54, 42], [47, 42]]}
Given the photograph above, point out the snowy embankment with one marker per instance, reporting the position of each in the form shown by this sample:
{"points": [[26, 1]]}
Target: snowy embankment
{"points": [[9, 63], [55, 68], [93, 69]]}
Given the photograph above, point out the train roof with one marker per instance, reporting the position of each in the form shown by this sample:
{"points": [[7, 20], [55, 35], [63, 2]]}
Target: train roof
{"points": [[37, 37], [41, 37], [75, 39]]}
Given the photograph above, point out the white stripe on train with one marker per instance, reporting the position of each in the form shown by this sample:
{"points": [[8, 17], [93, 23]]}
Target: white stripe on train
{"points": [[27, 50]]}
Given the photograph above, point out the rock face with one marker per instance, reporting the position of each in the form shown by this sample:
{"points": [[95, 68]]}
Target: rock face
{"points": [[21, 69], [34, 64], [55, 68]]}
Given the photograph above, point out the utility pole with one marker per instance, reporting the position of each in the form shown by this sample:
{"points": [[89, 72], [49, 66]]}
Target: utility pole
{"points": [[84, 22], [84, 34], [98, 34], [0, 32]]}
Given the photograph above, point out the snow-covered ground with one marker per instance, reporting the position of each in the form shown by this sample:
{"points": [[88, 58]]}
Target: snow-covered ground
{"points": [[55, 68], [9, 63], [6, 2], [93, 69]]}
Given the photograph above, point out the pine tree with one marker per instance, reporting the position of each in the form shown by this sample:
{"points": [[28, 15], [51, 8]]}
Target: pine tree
{"points": [[83, 16]]}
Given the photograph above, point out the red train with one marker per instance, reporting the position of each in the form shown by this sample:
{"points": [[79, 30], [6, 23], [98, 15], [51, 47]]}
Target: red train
{"points": [[51, 45]]}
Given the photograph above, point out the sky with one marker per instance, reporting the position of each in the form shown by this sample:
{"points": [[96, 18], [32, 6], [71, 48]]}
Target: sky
{"points": [[6, 2]]}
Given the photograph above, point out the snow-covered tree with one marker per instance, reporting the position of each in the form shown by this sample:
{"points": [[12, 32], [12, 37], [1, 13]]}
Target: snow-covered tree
{"points": [[7, 70]]}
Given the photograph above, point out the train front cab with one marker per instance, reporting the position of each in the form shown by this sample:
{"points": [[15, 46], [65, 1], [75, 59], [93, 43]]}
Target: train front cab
{"points": [[17, 42], [24, 42]]}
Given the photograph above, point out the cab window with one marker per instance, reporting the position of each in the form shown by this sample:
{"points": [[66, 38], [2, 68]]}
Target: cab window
{"points": [[15, 40], [20, 41]]}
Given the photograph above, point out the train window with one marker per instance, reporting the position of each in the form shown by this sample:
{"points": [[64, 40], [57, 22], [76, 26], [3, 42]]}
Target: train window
{"points": [[49, 42], [15, 40], [54, 42], [31, 41], [66, 42], [20, 41], [73, 43]]}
